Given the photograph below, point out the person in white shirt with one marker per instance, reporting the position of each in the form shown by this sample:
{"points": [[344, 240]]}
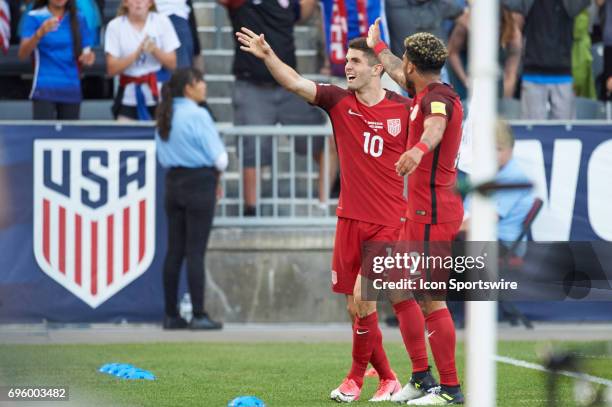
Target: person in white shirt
{"points": [[138, 42]]}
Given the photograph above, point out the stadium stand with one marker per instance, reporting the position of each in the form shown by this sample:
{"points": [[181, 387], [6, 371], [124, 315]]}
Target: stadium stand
{"points": [[215, 34]]}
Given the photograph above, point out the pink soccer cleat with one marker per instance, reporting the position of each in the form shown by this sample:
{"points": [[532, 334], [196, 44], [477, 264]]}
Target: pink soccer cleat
{"points": [[386, 389], [347, 392]]}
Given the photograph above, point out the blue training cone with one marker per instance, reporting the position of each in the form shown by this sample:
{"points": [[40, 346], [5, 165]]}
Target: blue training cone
{"points": [[106, 367], [246, 401], [119, 367], [112, 368], [139, 374]]}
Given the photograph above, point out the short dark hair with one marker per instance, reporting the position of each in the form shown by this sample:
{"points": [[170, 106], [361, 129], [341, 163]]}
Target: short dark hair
{"points": [[426, 51], [361, 44]]}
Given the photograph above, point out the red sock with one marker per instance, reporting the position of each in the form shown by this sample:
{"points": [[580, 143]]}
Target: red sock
{"points": [[412, 327], [364, 335], [379, 358], [441, 334]]}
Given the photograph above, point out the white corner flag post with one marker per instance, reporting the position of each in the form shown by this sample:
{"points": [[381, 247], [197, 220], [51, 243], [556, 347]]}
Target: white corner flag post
{"points": [[481, 318]]}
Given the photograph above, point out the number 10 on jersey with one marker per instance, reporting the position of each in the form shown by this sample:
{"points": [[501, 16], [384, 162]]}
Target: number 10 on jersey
{"points": [[372, 145]]}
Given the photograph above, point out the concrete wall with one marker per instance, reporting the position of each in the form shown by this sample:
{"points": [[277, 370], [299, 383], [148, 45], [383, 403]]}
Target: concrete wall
{"points": [[272, 275]]}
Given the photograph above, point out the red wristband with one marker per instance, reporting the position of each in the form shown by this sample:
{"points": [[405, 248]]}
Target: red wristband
{"points": [[422, 146], [380, 47]]}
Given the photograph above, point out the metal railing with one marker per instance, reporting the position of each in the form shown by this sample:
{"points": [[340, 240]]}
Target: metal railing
{"points": [[287, 188]]}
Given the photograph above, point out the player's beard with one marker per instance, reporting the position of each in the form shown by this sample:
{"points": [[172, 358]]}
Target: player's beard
{"points": [[410, 87]]}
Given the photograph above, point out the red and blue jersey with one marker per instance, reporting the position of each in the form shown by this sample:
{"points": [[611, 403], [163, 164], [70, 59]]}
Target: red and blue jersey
{"points": [[56, 73]]}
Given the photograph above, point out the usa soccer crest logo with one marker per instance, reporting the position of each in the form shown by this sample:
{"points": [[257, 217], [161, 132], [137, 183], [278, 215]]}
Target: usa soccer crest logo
{"points": [[94, 213], [394, 126]]}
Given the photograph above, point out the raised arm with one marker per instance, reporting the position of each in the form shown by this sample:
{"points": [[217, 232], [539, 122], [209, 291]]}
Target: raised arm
{"points": [[392, 64], [286, 76]]}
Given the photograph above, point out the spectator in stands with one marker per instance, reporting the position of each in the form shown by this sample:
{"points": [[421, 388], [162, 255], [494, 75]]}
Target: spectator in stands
{"points": [[510, 41], [406, 17], [189, 145], [181, 15], [512, 205], [547, 63], [179, 12], [138, 42], [258, 99], [62, 40], [605, 8]]}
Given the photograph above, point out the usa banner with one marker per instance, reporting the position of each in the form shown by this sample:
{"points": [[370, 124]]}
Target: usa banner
{"points": [[82, 234], [94, 201]]}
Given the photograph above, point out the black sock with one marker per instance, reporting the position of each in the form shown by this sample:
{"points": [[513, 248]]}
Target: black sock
{"points": [[451, 389], [418, 376]]}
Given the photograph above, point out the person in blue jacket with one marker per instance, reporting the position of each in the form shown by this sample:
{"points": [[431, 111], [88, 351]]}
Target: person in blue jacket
{"points": [[189, 145], [61, 42]]}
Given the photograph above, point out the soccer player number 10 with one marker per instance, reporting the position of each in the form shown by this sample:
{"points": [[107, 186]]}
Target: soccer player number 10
{"points": [[372, 146]]}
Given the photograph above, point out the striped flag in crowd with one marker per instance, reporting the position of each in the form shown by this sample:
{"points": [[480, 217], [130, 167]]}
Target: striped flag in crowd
{"points": [[5, 26]]}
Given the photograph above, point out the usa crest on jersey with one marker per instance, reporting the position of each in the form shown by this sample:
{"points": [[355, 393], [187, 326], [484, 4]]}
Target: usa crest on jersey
{"points": [[394, 126], [94, 213]]}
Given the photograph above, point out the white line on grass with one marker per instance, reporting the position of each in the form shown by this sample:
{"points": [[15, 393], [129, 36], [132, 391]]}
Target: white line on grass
{"points": [[534, 366]]}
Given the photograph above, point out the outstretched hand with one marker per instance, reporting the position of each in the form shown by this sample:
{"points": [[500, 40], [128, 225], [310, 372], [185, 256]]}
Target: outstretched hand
{"points": [[253, 43], [408, 162], [374, 34]]}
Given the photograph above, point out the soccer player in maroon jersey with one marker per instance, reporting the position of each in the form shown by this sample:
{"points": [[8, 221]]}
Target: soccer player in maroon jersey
{"points": [[370, 128], [434, 211]]}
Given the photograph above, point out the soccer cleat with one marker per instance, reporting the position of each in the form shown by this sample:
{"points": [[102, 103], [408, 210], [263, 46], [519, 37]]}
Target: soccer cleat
{"points": [[345, 393], [386, 389], [415, 389], [436, 396]]}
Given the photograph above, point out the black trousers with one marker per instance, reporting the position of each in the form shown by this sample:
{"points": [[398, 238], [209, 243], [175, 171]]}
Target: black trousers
{"points": [[190, 206], [47, 110]]}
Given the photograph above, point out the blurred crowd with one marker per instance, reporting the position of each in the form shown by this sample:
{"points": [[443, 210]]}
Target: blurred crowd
{"points": [[546, 51]]}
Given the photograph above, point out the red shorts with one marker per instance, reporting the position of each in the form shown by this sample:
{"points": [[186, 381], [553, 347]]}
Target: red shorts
{"points": [[439, 238], [350, 236], [421, 232]]}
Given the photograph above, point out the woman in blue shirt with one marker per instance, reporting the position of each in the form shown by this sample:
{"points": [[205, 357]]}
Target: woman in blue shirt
{"points": [[189, 145], [59, 37]]}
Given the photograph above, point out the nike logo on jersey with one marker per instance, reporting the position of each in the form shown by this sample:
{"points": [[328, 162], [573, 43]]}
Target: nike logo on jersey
{"points": [[350, 111], [362, 332]]}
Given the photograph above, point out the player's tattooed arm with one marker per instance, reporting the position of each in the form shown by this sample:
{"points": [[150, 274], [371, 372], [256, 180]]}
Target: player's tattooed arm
{"points": [[285, 75], [433, 131], [392, 64]]}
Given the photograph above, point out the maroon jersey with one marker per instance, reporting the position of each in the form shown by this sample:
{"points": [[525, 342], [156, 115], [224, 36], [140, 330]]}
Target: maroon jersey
{"points": [[431, 187], [370, 140]]}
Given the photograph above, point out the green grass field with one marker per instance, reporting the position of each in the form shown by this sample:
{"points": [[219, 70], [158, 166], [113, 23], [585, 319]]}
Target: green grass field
{"points": [[282, 374]]}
